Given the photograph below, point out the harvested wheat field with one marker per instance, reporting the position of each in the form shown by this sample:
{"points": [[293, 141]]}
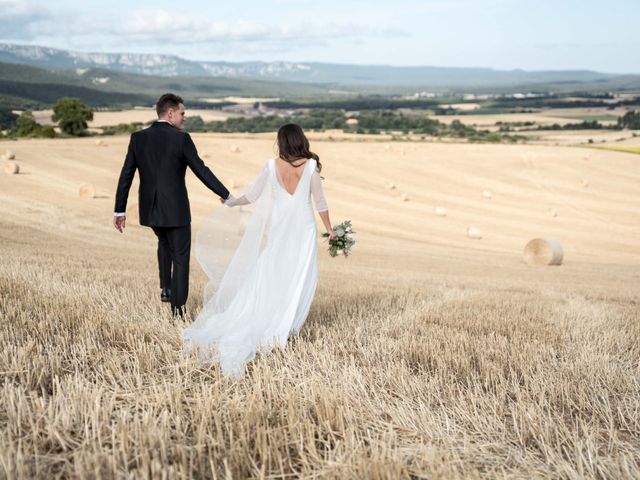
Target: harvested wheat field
{"points": [[427, 354]]}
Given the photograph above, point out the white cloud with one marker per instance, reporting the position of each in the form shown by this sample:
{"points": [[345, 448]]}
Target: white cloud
{"points": [[17, 10], [145, 27], [497, 33], [159, 25], [19, 19]]}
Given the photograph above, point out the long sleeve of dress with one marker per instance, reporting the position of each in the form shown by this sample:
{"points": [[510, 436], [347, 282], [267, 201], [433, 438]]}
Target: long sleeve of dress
{"points": [[318, 192], [254, 191]]}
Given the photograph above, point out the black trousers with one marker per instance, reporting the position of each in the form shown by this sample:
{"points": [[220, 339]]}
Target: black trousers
{"points": [[174, 250]]}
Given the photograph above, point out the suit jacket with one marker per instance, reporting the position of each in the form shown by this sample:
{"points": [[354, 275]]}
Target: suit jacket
{"points": [[161, 154]]}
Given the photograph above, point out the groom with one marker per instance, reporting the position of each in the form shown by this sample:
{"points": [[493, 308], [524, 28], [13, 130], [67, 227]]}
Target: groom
{"points": [[161, 154]]}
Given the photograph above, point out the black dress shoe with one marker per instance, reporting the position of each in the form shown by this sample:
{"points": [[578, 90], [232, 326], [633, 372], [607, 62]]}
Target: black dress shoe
{"points": [[165, 295]]}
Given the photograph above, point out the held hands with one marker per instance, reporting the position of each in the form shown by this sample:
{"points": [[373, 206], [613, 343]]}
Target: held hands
{"points": [[232, 201], [229, 202], [119, 223]]}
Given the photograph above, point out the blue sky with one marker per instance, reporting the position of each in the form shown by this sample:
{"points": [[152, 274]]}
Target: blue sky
{"points": [[502, 34]]}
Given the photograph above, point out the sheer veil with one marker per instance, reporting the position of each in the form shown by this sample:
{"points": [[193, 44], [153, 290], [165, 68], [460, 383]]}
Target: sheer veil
{"points": [[227, 245]]}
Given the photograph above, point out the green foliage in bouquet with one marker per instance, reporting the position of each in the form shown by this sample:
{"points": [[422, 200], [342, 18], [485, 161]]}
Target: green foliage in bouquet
{"points": [[344, 243]]}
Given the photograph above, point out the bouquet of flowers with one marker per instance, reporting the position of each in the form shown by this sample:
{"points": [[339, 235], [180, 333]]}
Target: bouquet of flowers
{"points": [[342, 245]]}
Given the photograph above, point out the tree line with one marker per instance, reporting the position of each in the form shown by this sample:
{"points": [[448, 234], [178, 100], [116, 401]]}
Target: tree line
{"points": [[72, 117], [368, 122]]}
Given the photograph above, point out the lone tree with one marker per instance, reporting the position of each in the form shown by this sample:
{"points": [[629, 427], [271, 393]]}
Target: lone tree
{"points": [[72, 115], [630, 120]]}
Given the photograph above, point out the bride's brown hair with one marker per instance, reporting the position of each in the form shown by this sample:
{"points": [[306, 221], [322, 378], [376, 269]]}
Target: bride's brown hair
{"points": [[294, 145]]}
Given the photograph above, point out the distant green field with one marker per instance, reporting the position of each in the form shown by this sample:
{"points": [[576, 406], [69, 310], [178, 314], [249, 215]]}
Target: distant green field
{"points": [[598, 118]]}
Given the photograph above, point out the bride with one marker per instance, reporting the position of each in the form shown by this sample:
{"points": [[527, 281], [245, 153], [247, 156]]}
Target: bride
{"points": [[266, 290]]}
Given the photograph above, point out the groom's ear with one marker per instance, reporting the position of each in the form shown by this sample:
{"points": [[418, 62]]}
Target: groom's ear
{"points": [[166, 102]]}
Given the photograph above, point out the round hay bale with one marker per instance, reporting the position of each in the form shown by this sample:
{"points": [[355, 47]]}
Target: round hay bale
{"points": [[486, 194], [391, 186], [235, 149], [585, 183], [543, 251], [12, 168], [99, 143], [87, 190], [553, 212], [474, 232], [9, 154], [404, 197], [440, 211]]}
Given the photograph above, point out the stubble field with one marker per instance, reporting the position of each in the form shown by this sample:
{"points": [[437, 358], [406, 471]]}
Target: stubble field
{"points": [[426, 355]]}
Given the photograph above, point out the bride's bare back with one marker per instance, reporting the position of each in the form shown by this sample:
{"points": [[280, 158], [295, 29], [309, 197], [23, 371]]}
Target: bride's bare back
{"points": [[288, 175]]}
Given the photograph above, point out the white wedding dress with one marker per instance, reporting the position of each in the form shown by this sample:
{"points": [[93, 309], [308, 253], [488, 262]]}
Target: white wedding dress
{"points": [[266, 290]]}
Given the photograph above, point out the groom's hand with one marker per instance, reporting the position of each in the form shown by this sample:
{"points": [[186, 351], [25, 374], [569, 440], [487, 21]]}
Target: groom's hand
{"points": [[119, 223]]}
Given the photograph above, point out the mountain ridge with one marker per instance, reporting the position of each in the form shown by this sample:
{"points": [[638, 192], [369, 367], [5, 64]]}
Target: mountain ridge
{"points": [[304, 72]]}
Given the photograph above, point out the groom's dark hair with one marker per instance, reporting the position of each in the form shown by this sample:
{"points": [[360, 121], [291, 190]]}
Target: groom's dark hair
{"points": [[166, 102]]}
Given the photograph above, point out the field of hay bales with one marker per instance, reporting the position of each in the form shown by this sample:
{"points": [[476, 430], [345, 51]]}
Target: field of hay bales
{"points": [[427, 354]]}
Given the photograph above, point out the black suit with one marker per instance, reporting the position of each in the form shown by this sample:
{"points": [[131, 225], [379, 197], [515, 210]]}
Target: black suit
{"points": [[161, 154]]}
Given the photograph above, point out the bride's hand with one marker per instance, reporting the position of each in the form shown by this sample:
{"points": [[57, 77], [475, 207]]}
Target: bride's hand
{"points": [[333, 235]]}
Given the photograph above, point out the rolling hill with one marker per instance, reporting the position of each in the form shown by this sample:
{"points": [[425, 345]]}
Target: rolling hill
{"points": [[29, 86], [378, 78]]}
